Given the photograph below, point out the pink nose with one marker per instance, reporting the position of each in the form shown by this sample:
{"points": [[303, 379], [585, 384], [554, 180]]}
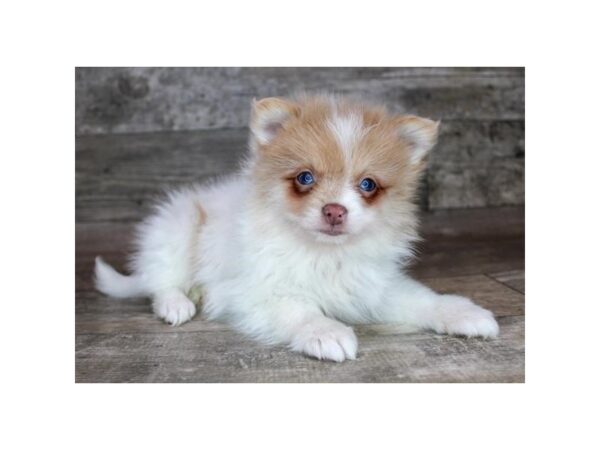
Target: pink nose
{"points": [[334, 214]]}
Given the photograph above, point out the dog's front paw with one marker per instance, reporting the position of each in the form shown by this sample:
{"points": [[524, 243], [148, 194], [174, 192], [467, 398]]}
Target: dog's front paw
{"points": [[459, 315], [326, 339], [174, 308]]}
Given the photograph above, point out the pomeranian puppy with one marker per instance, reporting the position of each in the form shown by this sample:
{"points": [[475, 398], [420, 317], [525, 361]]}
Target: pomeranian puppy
{"points": [[310, 237]]}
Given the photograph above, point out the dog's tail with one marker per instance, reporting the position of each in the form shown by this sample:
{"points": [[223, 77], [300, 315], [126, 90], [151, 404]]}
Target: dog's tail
{"points": [[111, 282]]}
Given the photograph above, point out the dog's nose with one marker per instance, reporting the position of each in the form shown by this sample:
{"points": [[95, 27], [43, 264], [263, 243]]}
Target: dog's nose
{"points": [[334, 214]]}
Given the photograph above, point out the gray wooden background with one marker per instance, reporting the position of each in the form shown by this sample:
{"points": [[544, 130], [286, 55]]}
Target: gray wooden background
{"points": [[479, 160]]}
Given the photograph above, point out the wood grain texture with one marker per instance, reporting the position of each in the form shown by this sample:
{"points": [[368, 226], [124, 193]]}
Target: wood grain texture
{"points": [[118, 177], [477, 163], [387, 353], [512, 278], [125, 100]]}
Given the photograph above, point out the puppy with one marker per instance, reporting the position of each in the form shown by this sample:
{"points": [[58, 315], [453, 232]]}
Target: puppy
{"points": [[310, 237]]}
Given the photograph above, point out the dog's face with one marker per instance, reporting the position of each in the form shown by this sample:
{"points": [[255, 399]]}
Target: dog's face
{"points": [[337, 170]]}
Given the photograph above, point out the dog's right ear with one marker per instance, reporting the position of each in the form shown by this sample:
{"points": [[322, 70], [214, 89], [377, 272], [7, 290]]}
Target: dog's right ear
{"points": [[419, 133], [268, 117]]}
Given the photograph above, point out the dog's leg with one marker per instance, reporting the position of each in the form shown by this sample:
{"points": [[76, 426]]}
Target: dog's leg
{"points": [[173, 306], [324, 338], [300, 325], [413, 303]]}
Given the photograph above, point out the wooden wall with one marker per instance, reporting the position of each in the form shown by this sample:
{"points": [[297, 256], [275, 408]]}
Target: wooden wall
{"points": [[479, 160]]}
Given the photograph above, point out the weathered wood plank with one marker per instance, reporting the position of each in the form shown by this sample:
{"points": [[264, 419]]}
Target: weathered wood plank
{"points": [[461, 184], [477, 164], [119, 177], [470, 241], [386, 354], [120, 100], [498, 298], [513, 278], [464, 256], [475, 223]]}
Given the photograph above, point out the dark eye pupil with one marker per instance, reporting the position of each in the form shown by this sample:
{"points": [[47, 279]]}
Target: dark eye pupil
{"points": [[305, 178], [367, 185]]}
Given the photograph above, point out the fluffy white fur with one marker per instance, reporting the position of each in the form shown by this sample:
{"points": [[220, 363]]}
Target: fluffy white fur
{"points": [[272, 274]]}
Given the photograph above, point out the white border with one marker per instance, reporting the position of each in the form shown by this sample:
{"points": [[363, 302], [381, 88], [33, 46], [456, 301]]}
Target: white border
{"points": [[43, 41]]}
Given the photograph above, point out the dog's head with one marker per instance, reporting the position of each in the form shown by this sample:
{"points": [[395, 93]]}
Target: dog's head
{"points": [[337, 170]]}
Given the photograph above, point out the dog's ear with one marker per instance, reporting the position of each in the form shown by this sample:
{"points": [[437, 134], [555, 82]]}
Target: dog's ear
{"points": [[421, 135], [268, 118]]}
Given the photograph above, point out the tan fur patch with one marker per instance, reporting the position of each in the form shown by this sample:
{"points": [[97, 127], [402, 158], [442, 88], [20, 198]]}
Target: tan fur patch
{"points": [[200, 214], [306, 142]]}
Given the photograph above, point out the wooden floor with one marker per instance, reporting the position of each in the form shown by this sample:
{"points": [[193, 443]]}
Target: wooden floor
{"points": [[477, 253]]}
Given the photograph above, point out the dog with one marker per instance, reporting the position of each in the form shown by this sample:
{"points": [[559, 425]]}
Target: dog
{"points": [[311, 236]]}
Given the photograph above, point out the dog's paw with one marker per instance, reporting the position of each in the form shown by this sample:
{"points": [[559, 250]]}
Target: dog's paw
{"points": [[174, 308], [326, 339], [459, 315]]}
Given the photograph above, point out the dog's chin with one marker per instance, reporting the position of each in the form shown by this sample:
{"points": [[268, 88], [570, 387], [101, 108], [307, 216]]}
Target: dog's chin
{"points": [[331, 232], [330, 236]]}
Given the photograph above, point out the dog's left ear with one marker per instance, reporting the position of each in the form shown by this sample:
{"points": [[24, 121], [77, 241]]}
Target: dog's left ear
{"points": [[421, 135], [268, 118]]}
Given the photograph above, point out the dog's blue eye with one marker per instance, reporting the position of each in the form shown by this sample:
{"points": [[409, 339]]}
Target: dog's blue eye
{"points": [[367, 185], [305, 178]]}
